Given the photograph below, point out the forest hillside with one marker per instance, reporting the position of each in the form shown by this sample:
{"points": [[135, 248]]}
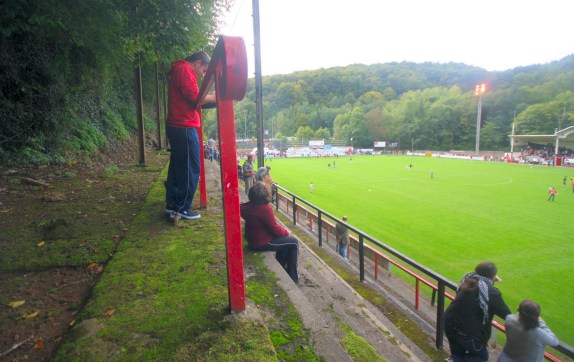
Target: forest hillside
{"points": [[67, 87], [422, 106]]}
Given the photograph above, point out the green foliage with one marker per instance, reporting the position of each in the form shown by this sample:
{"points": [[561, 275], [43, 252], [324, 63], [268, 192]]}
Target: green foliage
{"points": [[422, 106], [51, 63], [114, 125], [110, 170], [544, 118], [322, 134], [67, 84], [304, 133]]}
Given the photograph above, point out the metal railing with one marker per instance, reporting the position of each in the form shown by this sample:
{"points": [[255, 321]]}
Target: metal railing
{"points": [[301, 211]]}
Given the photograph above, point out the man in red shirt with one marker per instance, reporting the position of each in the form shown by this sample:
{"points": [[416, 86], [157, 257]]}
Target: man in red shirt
{"points": [[183, 118]]}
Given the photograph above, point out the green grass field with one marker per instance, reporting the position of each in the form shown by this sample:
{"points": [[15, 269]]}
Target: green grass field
{"points": [[470, 211]]}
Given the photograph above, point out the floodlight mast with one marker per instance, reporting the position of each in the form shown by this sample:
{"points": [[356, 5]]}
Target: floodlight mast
{"points": [[258, 85], [478, 91]]}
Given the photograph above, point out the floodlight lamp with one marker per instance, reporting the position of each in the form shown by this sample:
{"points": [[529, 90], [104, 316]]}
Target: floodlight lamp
{"points": [[479, 89]]}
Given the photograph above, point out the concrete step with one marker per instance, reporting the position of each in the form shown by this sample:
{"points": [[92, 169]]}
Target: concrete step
{"points": [[324, 301]]}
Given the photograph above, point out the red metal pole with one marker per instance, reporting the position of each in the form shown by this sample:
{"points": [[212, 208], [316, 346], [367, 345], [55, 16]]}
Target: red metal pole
{"points": [[230, 84], [202, 183], [230, 188], [417, 294]]}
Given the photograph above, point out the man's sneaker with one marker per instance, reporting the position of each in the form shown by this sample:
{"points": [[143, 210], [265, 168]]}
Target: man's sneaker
{"points": [[189, 215]]}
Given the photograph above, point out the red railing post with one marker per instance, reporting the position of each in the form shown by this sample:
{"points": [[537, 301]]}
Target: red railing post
{"points": [[202, 183], [228, 69], [417, 293]]}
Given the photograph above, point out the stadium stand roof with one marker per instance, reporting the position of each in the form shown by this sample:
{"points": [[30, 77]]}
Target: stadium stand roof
{"points": [[564, 137]]}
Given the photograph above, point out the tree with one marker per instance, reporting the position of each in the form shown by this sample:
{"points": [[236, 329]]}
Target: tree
{"points": [[68, 68], [304, 133], [356, 128], [376, 125], [491, 137], [322, 134]]}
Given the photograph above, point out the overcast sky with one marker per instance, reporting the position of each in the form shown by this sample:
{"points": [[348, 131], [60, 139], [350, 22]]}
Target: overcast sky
{"points": [[491, 34]]}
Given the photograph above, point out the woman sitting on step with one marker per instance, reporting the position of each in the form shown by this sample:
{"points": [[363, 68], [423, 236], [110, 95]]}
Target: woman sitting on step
{"points": [[263, 233]]}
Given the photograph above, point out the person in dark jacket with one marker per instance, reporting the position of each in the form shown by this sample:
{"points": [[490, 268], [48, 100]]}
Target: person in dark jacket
{"points": [[468, 318], [263, 233]]}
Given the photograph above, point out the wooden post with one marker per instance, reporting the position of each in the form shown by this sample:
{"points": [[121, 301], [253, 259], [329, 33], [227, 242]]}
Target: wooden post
{"points": [[139, 113], [157, 110]]}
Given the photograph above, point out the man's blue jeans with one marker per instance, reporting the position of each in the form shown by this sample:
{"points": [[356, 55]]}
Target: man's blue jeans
{"points": [[184, 168], [343, 250]]}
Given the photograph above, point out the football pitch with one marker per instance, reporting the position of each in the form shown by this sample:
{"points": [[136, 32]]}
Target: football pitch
{"points": [[450, 214]]}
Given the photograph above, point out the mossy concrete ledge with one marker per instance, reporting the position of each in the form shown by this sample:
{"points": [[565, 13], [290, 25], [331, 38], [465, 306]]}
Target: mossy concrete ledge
{"points": [[164, 297]]}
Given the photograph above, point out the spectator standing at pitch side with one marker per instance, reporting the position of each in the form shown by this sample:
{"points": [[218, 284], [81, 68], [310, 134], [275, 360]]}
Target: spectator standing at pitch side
{"points": [[183, 119], [526, 335], [248, 173], [342, 236], [210, 143], [468, 318]]}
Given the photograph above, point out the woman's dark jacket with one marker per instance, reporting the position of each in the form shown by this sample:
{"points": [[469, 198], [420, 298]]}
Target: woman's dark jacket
{"points": [[464, 315]]}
